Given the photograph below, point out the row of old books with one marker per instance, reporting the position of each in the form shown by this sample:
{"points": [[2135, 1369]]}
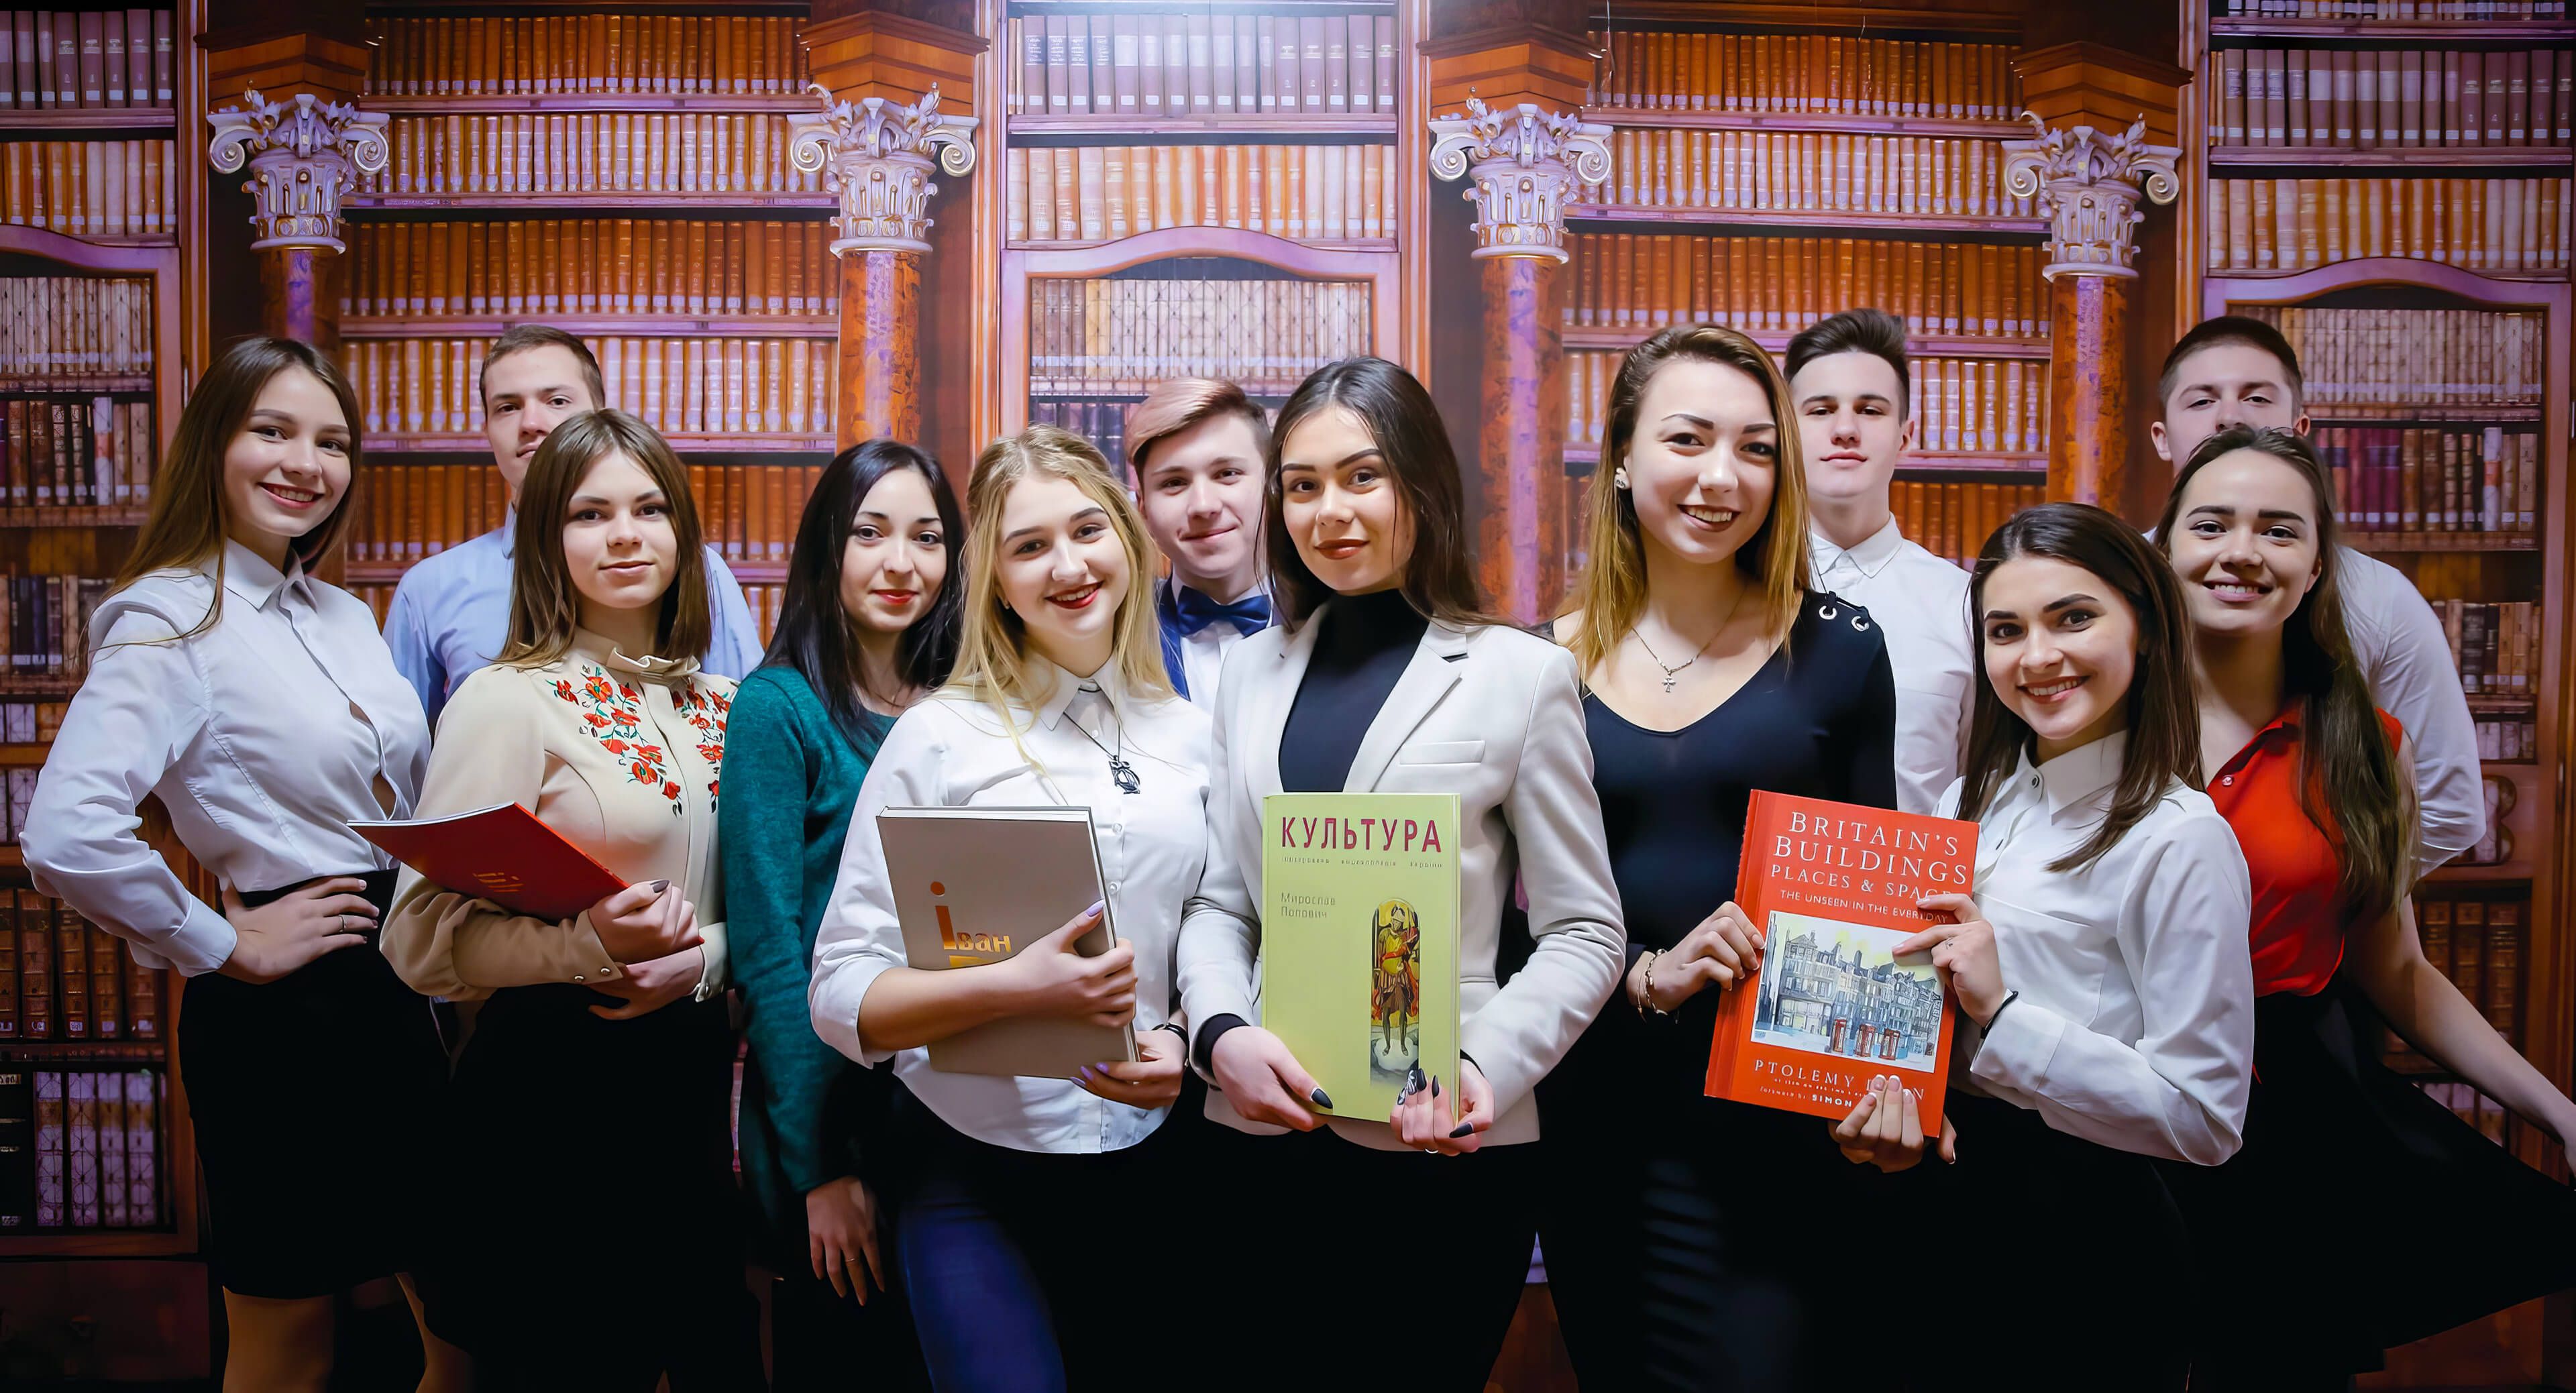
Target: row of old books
{"points": [[2398, 11], [1953, 520], [44, 624], [1095, 193], [2433, 479], [2478, 944], [53, 60], [66, 978], [401, 514], [75, 452], [30, 722], [501, 56], [1798, 171], [696, 385], [74, 327], [2490, 225], [2338, 99], [590, 266], [1960, 405], [2508, 737], [591, 152], [1818, 73], [2495, 646], [91, 188], [80, 1147], [2399, 359], [1641, 281], [1103, 423], [1100, 336], [1201, 65]]}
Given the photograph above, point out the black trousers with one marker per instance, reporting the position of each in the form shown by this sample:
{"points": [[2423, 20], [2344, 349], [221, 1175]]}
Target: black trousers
{"points": [[1403, 1268], [319, 1101]]}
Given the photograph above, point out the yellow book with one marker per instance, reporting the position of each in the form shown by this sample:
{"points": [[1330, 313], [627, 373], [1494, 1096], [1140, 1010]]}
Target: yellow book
{"points": [[1359, 940]]}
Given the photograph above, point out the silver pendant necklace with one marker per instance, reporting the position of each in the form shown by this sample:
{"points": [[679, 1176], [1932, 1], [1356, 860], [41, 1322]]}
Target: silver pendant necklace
{"points": [[1121, 772], [1672, 671]]}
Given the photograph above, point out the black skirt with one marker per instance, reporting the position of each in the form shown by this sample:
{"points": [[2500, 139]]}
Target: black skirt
{"points": [[318, 1101], [2318, 1243]]}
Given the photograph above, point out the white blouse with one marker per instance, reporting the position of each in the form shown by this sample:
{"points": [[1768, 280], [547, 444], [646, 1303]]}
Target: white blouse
{"points": [[1921, 605], [2135, 1024], [264, 737], [952, 750]]}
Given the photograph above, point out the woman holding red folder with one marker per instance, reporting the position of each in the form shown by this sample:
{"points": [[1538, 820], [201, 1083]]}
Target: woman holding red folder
{"points": [[262, 710], [597, 1244]]}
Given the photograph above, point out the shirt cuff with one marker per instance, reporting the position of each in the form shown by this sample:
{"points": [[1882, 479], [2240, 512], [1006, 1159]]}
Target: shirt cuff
{"points": [[2016, 1055], [835, 1007], [1203, 1049], [203, 942]]}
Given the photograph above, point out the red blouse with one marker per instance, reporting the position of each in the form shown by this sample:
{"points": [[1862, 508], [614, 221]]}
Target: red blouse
{"points": [[2298, 931]]}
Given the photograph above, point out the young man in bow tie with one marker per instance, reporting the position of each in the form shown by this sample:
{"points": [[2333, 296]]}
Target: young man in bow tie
{"points": [[1198, 447]]}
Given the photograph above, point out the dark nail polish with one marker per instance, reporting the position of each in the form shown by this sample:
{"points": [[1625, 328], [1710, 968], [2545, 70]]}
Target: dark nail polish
{"points": [[1320, 1098], [659, 886], [1413, 1082], [1462, 1129], [1435, 1085]]}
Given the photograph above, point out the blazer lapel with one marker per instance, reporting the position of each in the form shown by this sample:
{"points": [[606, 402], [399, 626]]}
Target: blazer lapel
{"points": [[1265, 714], [1438, 664]]}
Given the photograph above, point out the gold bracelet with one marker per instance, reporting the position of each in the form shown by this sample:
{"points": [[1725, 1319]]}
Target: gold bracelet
{"points": [[1646, 997]]}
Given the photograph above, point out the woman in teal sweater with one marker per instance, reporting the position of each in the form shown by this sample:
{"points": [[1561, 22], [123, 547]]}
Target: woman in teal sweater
{"points": [[866, 628]]}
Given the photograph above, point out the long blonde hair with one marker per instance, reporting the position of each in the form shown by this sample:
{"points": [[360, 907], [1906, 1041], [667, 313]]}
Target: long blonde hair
{"points": [[992, 651], [1612, 590]]}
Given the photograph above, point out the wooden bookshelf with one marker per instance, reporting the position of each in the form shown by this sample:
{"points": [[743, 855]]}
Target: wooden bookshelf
{"points": [[50, 121], [1037, 131], [2506, 32], [1777, 341], [710, 203], [484, 326], [2411, 159], [1919, 226]]}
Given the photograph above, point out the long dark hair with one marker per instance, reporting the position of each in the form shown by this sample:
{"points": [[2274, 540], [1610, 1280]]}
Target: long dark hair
{"points": [[545, 605], [813, 634], [186, 522], [2350, 784], [1439, 581], [2164, 720]]}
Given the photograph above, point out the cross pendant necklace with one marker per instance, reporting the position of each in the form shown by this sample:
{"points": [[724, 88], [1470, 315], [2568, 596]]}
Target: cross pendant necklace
{"points": [[1673, 671], [1121, 772]]}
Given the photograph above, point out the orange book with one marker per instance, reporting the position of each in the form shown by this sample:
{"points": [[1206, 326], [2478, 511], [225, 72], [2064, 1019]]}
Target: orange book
{"points": [[1795, 1040]]}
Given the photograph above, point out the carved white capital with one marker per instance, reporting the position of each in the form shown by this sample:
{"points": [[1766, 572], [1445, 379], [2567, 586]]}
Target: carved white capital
{"points": [[879, 154], [2089, 184], [303, 154], [1524, 165]]}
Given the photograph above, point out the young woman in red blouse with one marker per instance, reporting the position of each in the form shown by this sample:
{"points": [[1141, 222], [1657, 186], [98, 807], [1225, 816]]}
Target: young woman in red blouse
{"points": [[2314, 1241]]}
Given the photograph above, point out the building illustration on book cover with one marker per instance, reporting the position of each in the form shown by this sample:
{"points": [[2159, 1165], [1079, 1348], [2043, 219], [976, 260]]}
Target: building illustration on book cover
{"points": [[1395, 992], [1834, 988]]}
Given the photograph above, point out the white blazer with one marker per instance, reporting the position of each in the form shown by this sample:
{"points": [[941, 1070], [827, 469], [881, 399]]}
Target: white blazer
{"points": [[1491, 714]]}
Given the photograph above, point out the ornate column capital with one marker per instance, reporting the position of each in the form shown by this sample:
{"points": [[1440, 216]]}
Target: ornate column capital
{"points": [[2088, 185], [303, 154], [879, 153], [1524, 164]]}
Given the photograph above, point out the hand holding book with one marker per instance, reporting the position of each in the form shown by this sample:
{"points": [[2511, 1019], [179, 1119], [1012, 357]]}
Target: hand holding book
{"points": [[1053, 978], [1152, 1080], [1965, 949], [1724, 949], [1263, 1081], [1432, 1117], [645, 923], [1885, 1128]]}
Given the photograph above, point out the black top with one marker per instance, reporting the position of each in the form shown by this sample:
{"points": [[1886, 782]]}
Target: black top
{"points": [[1819, 721], [1361, 649]]}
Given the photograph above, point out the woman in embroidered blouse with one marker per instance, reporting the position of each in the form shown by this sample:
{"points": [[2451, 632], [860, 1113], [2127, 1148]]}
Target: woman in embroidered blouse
{"points": [[598, 1246], [2318, 785], [1012, 1268], [260, 707], [868, 626]]}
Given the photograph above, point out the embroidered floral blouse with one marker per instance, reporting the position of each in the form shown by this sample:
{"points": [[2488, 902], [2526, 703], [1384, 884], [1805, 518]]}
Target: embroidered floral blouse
{"points": [[618, 754]]}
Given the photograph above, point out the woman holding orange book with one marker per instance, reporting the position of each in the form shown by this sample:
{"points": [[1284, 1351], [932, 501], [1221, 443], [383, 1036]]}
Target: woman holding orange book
{"points": [[597, 1244], [2318, 786]]}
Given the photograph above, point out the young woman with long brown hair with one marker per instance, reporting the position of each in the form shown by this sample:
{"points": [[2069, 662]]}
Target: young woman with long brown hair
{"points": [[597, 1241], [263, 710], [1712, 668], [1386, 676], [2319, 786]]}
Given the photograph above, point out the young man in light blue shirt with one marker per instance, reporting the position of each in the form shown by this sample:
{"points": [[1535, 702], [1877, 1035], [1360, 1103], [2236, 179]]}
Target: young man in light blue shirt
{"points": [[451, 614]]}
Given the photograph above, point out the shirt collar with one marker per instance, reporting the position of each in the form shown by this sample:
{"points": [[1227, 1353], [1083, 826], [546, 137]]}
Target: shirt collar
{"points": [[508, 531], [2077, 777], [1871, 556], [248, 574], [594, 648], [1063, 685]]}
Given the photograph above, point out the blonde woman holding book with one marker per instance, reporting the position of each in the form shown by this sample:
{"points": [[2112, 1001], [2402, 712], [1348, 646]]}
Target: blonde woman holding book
{"points": [[1019, 1279], [597, 1239], [259, 706]]}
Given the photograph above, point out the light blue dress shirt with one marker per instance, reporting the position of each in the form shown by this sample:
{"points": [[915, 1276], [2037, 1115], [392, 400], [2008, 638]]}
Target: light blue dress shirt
{"points": [[451, 615]]}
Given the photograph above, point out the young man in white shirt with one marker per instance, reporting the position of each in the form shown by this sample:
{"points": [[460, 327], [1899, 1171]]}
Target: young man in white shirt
{"points": [[1199, 447], [1847, 376], [451, 614], [2232, 371]]}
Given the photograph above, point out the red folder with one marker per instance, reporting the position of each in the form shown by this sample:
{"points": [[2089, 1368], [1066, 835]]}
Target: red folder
{"points": [[503, 854]]}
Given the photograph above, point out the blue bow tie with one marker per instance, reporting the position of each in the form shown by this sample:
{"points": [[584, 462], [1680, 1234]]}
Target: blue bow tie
{"points": [[1192, 611]]}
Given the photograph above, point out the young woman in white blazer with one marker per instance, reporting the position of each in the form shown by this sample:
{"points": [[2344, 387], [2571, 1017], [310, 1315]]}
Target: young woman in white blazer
{"points": [[1384, 676]]}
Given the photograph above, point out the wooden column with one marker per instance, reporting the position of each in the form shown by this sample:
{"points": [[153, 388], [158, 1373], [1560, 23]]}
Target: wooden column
{"points": [[1524, 158], [880, 79], [2090, 183], [303, 150]]}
